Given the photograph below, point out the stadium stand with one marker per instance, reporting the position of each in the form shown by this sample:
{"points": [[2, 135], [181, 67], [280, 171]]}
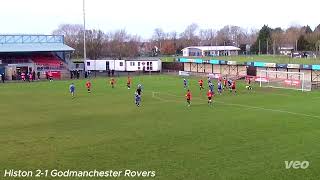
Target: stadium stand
{"points": [[33, 54]]}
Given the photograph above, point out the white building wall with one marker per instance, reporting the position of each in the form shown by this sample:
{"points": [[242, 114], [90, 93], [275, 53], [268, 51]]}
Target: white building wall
{"points": [[138, 65], [185, 52], [121, 65], [101, 65], [133, 66], [117, 65]]}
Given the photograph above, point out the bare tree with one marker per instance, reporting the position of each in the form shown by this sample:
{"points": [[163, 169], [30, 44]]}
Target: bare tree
{"points": [[159, 36], [207, 37], [72, 36], [223, 36], [292, 35], [278, 37], [189, 36]]}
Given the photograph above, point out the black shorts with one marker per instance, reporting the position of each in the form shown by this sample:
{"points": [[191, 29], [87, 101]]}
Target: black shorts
{"points": [[209, 98]]}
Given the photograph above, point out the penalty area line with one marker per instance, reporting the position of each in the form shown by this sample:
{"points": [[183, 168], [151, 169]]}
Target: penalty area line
{"points": [[250, 107]]}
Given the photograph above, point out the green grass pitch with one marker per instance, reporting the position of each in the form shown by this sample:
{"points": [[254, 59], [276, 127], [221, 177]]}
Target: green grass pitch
{"points": [[249, 135], [253, 58]]}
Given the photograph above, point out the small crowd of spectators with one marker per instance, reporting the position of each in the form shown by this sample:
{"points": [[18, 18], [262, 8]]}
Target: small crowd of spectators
{"points": [[74, 74], [27, 76]]}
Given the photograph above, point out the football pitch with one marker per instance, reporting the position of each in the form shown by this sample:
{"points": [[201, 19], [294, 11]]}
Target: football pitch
{"points": [[248, 135]]}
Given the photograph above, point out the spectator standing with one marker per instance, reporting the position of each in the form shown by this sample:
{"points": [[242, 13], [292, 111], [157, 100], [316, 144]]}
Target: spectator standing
{"points": [[71, 74], [78, 74], [23, 76], [30, 76], [3, 77], [33, 76], [27, 77], [50, 76]]}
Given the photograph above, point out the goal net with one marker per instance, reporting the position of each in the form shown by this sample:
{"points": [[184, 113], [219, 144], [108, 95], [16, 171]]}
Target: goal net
{"points": [[283, 79]]}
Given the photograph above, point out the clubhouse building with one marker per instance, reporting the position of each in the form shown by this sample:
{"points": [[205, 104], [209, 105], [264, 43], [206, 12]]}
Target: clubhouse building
{"points": [[201, 51]]}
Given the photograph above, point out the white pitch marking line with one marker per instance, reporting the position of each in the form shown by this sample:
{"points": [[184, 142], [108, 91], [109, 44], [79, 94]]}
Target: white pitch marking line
{"points": [[267, 109], [255, 107]]}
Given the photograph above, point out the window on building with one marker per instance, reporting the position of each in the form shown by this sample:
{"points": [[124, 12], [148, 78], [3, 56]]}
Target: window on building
{"points": [[121, 63], [150, 65], [138, 63], [88, 63], [132, 64]]}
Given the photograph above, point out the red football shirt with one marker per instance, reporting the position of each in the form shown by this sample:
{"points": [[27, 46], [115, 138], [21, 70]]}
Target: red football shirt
{"points": [[88, 84], [188, 95]]}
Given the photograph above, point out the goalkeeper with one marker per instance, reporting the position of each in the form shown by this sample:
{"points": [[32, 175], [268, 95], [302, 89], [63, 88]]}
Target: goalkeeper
{"points": [[248, 86]]}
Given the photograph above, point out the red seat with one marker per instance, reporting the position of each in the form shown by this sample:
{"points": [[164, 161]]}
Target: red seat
{"points": [[46, 60]]}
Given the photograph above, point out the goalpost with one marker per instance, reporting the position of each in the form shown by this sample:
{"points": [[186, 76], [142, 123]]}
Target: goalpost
{"points": [[284, 80]]}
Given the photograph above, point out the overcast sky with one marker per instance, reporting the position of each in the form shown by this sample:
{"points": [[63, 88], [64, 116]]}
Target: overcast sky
{"points": [[143, 16]]}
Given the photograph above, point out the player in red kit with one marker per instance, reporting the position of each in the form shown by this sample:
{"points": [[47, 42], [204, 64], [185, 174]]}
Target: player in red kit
{"points": [[233, 86], [201, 84], [112, 82], [248, 86], [88, 85], [188, 97], [224, 83], [129, 82], [210, 96]]}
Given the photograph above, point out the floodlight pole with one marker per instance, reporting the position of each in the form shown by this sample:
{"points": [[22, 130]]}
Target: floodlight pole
{"points": [[84, 33]]}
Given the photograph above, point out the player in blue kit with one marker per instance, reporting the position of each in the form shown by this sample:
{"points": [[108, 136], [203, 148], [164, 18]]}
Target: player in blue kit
{"points": [[185, 84], [139, 89], [72, 89], [220, 87], [209, 80], [229, 84], [211, 87], [137, 98]]}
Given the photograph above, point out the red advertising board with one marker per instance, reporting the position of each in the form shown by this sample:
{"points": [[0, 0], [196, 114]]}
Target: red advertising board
{"points": [[56, 74], [292, 82]]}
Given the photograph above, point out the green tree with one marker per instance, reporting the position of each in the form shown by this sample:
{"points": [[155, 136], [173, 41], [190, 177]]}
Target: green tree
{"points": [[303, 44], [264, 39]]}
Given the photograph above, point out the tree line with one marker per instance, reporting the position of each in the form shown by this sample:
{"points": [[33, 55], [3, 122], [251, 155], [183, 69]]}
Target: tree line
{"points": [[300, 38], [120, 44]]}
